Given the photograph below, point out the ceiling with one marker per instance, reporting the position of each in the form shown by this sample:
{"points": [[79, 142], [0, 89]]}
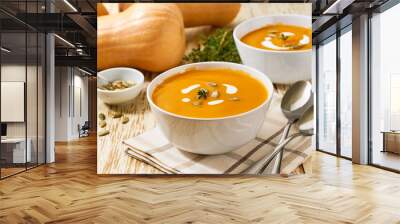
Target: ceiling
{"points": [[75, 22], [72, 20], [332, 15]]}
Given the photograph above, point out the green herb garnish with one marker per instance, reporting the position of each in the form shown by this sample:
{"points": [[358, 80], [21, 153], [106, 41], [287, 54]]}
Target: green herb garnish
{"points": [[202, 93], [218, 46], [283, 37]]}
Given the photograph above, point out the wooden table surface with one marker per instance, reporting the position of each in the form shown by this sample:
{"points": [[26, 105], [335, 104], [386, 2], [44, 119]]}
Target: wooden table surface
{"points": [[111, 157]]}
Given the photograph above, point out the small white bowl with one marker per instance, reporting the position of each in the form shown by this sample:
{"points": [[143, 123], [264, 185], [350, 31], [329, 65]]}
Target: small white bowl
{"points": [[210, 136], [123, 95], [284, 67]]}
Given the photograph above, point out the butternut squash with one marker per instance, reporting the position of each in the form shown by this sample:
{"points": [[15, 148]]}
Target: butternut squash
{"points": [[124, 6], [215, 14], [201, 14], [145, 36], [101, 10], [107, 9]]}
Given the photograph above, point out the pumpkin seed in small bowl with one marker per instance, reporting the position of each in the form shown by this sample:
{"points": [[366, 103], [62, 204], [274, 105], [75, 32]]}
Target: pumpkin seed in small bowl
{"points": [[119, 85]]}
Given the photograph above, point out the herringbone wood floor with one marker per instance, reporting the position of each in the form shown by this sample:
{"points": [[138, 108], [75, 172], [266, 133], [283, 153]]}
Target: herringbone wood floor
{"points": [[69, 191]]}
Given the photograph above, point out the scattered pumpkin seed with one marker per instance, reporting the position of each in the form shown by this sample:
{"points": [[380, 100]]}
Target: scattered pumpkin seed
{"points": [[102, 123], [116, 114], [102, 116], [215, 94], [125, 119], [235, 98], [104, 132], [197, 103], [212, 84]]}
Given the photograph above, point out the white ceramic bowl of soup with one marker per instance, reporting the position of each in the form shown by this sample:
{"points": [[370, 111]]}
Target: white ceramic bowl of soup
{"points": [[283, 67], [120, 96], [210, 136]]}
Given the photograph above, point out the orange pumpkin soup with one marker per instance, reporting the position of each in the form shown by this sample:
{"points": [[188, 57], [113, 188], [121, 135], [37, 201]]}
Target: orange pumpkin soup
{"points": [[211, 93], [280, 37]]}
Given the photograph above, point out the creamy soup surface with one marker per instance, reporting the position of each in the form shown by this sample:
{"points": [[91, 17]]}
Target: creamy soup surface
{"points": [[280, 37], [211, 93]]}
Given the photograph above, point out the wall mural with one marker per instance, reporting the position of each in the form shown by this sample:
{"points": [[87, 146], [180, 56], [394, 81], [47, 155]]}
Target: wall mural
{"points": [[181, 91]]}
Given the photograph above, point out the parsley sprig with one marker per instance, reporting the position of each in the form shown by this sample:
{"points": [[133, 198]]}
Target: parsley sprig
{"points": [[218, 46], [202, 93]]}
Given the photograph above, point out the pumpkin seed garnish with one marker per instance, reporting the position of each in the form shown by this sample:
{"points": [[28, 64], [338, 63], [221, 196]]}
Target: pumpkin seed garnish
{"points": [[294, 47], [125, 119], [197, 103], [215, 94], [102, 123], [212, 84], [104, 132], [102, 116], [235, 98]]}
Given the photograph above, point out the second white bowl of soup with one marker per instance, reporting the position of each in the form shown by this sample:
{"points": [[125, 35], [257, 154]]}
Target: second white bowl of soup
{"points": [[279, 46], [210, 107]]}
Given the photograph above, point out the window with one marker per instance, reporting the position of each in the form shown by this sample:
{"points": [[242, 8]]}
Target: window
{"points": [[327, 96], [22, 76], [346, 92], [394, 111], [335, 73], [385, 89]]}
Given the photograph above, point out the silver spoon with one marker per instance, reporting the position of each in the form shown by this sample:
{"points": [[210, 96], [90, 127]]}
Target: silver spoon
{"points": [[306, 128], [297, 99]]}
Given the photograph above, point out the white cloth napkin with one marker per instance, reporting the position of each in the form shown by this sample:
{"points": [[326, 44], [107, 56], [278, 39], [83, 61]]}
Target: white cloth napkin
{"points": [[154, 149]]}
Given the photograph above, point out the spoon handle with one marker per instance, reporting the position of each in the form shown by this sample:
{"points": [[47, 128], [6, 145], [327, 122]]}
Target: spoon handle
{"points": [[279, 148], [256, 167], [276, 168]]}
